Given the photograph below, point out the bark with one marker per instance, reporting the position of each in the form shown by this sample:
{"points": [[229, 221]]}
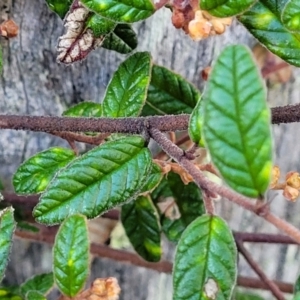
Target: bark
{"points": [[33, 83]]}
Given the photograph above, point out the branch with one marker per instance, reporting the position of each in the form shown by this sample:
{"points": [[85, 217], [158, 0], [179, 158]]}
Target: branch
{"points": [[104, 125], [271, 285], [205, 184], [283, 114], [47, 235], [286, 114]]}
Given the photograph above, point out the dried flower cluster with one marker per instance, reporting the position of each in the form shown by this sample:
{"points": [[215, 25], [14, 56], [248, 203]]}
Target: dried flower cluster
{"points": [[291, 186], [9, 29], [198, 24], [101, 289]]}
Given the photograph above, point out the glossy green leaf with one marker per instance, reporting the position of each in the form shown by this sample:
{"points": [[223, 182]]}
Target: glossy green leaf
{"points": [[126, 92], [291, 15], [196, 124], [34, 174], [27, 226], [34, 295], [205, 261], [236, 126], [188, 198], [1, 186], [99, 25], [296, 296], [297, 285], [169, 93], [41, 283], [141, 223], [246, 296], [172, 228], [225, 8], [10, 293], [71, 255], [61, 7], [188, 204], [84, 109], [263, 20], [7, 228], [154, 178], [123, 39], [127, 11], [99, 180]]}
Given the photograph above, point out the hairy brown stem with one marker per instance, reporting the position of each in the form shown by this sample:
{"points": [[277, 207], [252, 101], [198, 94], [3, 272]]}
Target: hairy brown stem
{"points": [[271, 285], [205, 184], [104, 125], [284, 114]]}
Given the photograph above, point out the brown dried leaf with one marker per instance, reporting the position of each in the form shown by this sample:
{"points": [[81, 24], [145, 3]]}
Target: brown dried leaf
{"points": [[9, 29], [78, 41]]}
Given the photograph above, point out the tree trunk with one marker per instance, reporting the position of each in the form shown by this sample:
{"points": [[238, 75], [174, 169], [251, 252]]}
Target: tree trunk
{"points": [[32, 83]]}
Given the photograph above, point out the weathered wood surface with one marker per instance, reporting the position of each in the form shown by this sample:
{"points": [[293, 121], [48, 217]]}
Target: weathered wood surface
{"points": [[33, 83]]}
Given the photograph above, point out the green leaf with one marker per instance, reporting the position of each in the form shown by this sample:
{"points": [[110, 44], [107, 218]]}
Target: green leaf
{"points": [[84, 109], [205, 257], [40, 283], [61, 7], [27, 226], [169, 93], [10, 293], [141, 223], [187, 207], [126, 92], [34, 295], [246, 296], [99, 25], [1, 186], [153, 180], [236, 126], [188, 198], [297, 285], [123, 39], [71, 255], [196, 124], [99, 180], [34, 174], [296, 296], [127, 11], [264, 22], [7, 228], [173, 229], [290, 15], [225, 8]]}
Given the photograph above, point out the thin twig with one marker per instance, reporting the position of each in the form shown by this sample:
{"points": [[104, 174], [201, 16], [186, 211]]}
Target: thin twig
{"points": [[47, 235], [272, 286], [205, 184], [255, 283], [208, 203], [263, 238]]}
